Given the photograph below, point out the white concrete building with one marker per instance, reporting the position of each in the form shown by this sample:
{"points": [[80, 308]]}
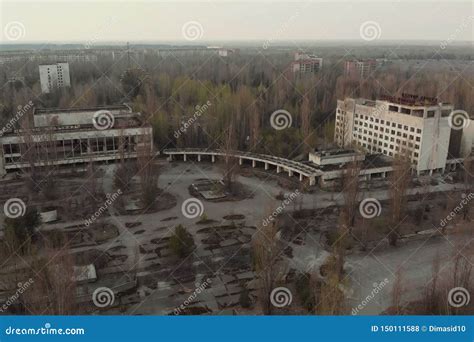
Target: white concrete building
{"points": [[74, 137], [417, 127], [54, 76], [332, 157]]}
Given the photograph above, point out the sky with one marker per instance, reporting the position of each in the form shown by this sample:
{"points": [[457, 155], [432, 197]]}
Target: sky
{"points": [[199, 22]]}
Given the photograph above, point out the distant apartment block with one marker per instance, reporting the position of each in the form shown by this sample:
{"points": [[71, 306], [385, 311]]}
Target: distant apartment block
{"points": [[47, 56], [306, 64], [359, 68], [71, 137], [412, 126], [54, 76]]}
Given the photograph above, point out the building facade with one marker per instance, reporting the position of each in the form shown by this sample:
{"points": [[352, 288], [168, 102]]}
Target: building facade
{"points": [[410, 126], [306, 64], [54, 76], [74, 136], [359, 68]]}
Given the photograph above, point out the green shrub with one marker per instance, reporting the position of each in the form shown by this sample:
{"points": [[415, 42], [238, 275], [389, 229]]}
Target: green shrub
{"points": [[181, 242]]}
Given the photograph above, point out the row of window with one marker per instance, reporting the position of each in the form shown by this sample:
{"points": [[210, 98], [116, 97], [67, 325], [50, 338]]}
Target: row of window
{"points": [[386, 122]]}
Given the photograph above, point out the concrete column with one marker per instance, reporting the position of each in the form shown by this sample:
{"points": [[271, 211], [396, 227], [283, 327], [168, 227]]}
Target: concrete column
{"points": [[240, 161], [199, 157], [266, 166], [213, 158], [278, 169], [2, 167], [184, 157], [301, 177], [254, 163], [384, 174], [290, 173]]}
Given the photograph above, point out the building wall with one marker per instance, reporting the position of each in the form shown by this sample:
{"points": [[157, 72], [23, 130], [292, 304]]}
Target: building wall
{"points": [[54, 76], [73, 147], [318, 159], [387, 128], [70, 118]]}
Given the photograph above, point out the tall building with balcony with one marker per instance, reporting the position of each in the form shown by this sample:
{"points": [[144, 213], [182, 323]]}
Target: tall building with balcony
{"points": [[411, 126], [54, 76], [61, 137]]}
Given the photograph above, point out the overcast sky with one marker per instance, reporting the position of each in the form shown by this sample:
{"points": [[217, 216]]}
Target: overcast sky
{"points": [[161, 21]]}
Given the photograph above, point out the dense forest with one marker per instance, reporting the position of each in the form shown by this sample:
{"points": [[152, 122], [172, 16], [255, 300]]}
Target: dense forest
{"points": [[241, 90]]}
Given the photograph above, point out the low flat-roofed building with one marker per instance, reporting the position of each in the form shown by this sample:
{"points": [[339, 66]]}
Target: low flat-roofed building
{"points": [[75, 136], [335, 156]]}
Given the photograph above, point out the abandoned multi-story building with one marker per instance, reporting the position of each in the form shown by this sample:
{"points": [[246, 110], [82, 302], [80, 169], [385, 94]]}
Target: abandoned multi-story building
{"points": [[412, 126], [54, 76], [75, 136]]}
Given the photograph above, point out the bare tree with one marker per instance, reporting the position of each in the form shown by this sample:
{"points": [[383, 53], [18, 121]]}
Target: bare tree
{"points": [[230, 164], [265, 251], [54, 288], [350, 191], [397, 292], [399, 182]]}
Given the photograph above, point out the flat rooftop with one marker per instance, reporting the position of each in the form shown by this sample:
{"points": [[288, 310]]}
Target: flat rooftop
{"points": [[82, 109], [336, 152], [411, 100]]}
